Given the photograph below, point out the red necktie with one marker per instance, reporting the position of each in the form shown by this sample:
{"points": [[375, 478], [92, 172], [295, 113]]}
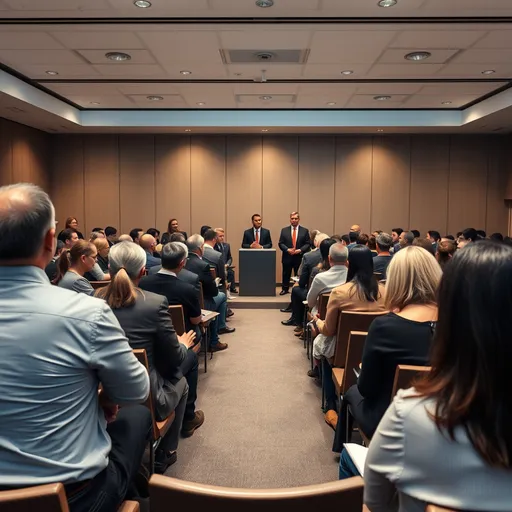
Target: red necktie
{"points": [[257, 236], [294, 237]]}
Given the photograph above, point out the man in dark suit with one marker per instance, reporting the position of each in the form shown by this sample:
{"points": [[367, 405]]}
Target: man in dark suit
{"points": [[256, 237], [214, 258], [225, 249], [294, 242]]}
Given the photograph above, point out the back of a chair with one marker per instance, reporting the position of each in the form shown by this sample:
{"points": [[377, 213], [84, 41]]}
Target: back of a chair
{"points": [[201, 295], [141, 355], [43, 498], [351, 321], [99, 284], [405, 374], [354, 356], [323, 299], [178, 319], [435, 508], [346, 495], [213, 272]]}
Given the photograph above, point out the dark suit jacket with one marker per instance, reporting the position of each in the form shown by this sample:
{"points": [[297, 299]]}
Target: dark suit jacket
{"points": [[265, 239], [225, 250], [185, 275], [310, 261], [202, 268], [147, 324], [177, 293], [216, 260], [303, 242]]}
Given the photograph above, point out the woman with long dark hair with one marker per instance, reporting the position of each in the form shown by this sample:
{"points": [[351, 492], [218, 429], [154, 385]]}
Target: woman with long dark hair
{"points": [[71, 223], [172, 227], [73, 264], [457, 423]]}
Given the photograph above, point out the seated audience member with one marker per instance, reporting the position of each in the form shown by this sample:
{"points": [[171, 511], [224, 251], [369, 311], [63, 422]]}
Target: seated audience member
{"points": [[355, 228], [481, 234], [383, 258], [73, 264], [425, 244], [497, 237], [172, 227], [111, 234], [204, 229], [395, 234], [310, 260], [345, 240], [416, 233], [155, 234], [96, 234], [145, 319], [363, 239], [445, 252], [103, 249], [465, 237], [98, 230], [361, 292], [403, 336], [406, 239], [98, 272], [434, 238], [213, 299], [352, 236], [459, 416], [225, 249], [214, 258], [136, 234], [148, 243], [377, 232], [71, 223], [372, 244], [69, 237], [125, 238], [57, 348], [51, 268], [448, 237], [324, 264]]}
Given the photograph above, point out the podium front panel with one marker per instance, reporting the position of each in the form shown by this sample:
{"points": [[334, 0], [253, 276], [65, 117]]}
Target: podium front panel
{"points": [[257, 275]]}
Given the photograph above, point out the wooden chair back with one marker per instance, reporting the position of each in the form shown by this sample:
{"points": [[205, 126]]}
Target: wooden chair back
{"points": [[43, 498], [213, 272], [435, 508], [178, 318], [323, 299], [355, 349], [99, 284], [346, 495], [201, 295], [347, 322], [405, 374]]}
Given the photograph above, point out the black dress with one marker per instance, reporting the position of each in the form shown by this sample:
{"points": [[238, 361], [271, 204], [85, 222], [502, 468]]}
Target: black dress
{"points": [[391, 340]]}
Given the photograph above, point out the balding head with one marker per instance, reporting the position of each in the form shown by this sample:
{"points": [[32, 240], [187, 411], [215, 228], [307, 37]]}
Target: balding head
{"points": [[125, 238], [356, 228], [27, 226], [147, 242], [338, 254], [319, 238]]}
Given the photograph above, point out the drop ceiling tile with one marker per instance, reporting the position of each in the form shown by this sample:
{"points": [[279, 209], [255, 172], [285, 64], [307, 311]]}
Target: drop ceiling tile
{"points": [[334, 70], [484, 56], [421, 101], [496, 39], [163, 4], [477, 89], [65, 71], [98, 57], [206, 71], [87, 101], [265, 88], [344, 46], [147, 89], [367, 101], [131, 71], [250, 7], [28, 40], [394, 88], [39, 57], [437, 38], [56, 5], [471, 70], [254, 71], [306, 101], [370, 7], [98, 40], [265, 39], [169, 101], [409, 70], [397, 56]]}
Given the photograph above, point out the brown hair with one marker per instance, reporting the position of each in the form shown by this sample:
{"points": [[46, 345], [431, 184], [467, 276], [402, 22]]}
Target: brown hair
{"points": [[445, 250], [169, 228], [72, 256], [69, 220]]}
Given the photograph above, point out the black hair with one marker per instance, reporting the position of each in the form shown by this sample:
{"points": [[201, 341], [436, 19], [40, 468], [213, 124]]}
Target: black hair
{"points": [[435, 235], [360, 272], [110, 230], [209, 235], [204, 229], [398, 231], [416, 233], [346, 239], [470, 234], [497, 237], [450, 237], [134, 233], [481, 234], [153, 232], [353, 236]]}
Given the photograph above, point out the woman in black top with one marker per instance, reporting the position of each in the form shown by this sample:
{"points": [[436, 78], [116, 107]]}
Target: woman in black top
{"points": [[403, 336], [72, 223]]}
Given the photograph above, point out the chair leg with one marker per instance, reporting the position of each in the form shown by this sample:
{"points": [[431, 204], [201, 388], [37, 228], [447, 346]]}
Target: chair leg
{"points": [[151, 457], [349, 420], [206, 343], [321, 374]]}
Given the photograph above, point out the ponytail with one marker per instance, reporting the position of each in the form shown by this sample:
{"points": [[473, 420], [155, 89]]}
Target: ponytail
{"points": [[120, 293], [62, 266]]}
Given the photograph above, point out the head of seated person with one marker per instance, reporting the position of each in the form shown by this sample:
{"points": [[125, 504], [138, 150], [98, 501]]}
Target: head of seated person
{"points": [[148, 243], [426, 244], [406, 238], [154, 233], [360, 273], [204, 229], [125, 238], [210, 237], [136, 234], [445, 252], [174, 256], [338, 255], [177, 237], [195, 244], [363, 239], [319, 238], [324, 247], [383, 243], [465, 237], [103, 249], [345, 239], [78, 260], [353, 236]]}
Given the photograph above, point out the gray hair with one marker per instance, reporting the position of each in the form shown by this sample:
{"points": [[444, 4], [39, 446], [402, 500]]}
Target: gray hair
{"points": [[384, 241], [319, 238], [195, 242], [338, 253], [26, 215], [129, 256], [409, 237], [173, 254], [125, 238]]}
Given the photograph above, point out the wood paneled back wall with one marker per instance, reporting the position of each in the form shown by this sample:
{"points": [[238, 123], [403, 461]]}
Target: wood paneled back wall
{"points": [[420, 182]]}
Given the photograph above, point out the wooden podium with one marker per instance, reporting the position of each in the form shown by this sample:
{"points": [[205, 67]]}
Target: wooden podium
{"points": [[257, 275]]}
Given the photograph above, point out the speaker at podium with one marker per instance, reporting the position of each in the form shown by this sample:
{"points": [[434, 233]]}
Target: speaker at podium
{"points": [[257, 274]]}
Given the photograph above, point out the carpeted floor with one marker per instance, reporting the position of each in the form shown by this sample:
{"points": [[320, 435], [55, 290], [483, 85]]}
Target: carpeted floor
{"points": [[264, 427]]}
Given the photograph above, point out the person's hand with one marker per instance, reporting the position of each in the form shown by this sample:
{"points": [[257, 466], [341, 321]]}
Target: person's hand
{"points": [[110, 409], [187, 338], [296, 251], [196, 348], [291, 251]]}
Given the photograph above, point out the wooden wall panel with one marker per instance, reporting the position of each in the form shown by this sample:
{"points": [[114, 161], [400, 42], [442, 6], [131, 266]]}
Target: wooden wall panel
{"points": [[468, 183], [5, 153], [67, 183], [430, 167], [137, 182], [316, 183], [244, 187], [208, 182], [497, 210], [390, 182], [280, 186], [101, 180], [23, 159], [353, 189], [172, 181]]}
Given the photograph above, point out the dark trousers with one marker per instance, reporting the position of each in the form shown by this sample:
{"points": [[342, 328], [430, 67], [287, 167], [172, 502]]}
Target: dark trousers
{"points": [[231, 278], [190, 370], [288, 266], [130, 433], [298, 296], [328, 385]]}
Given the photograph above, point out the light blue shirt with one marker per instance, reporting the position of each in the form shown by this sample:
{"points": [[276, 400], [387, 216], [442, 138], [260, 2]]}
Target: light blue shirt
{"points": [[56, 347]]}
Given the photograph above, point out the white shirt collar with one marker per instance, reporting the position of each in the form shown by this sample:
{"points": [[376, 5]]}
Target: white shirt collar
{"points": [[167, 272], [297, 228]]}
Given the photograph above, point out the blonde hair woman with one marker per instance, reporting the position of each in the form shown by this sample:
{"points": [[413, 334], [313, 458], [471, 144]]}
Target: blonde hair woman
{"points": [[73, 264], [403, 336]]}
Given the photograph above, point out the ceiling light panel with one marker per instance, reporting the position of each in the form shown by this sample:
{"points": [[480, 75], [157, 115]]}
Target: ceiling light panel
{"points": [[447, 37], [396, 56], [99, 56]]}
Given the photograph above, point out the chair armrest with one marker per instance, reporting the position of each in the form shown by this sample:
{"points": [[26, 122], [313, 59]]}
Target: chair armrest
{"points": [[129, 506]]}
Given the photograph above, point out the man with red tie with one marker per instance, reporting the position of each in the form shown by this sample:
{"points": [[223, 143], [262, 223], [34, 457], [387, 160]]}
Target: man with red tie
{"points": [[294, 242], [256, 237]]}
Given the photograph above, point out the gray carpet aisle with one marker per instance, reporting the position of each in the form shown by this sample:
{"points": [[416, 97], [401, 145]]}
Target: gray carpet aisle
{"points": [[263, 427]]}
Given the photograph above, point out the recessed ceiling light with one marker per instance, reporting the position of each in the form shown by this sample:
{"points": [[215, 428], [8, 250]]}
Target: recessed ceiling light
{"points": [[382, 98], [265, 130], [488, 72], [52, 73], [446, 103], [143, 4], [387, 3], [265, 98], [155, 98], [185, 72], [264, 3], [417, 56], [380, 130], [117, 56], [331, 103], [347, 72], [200, 103], [188, 130], [95, 103]]}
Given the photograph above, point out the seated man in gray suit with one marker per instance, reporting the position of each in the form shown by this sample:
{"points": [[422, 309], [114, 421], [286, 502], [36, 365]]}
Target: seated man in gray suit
{"points": [[225, 249], [214, 258]]}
